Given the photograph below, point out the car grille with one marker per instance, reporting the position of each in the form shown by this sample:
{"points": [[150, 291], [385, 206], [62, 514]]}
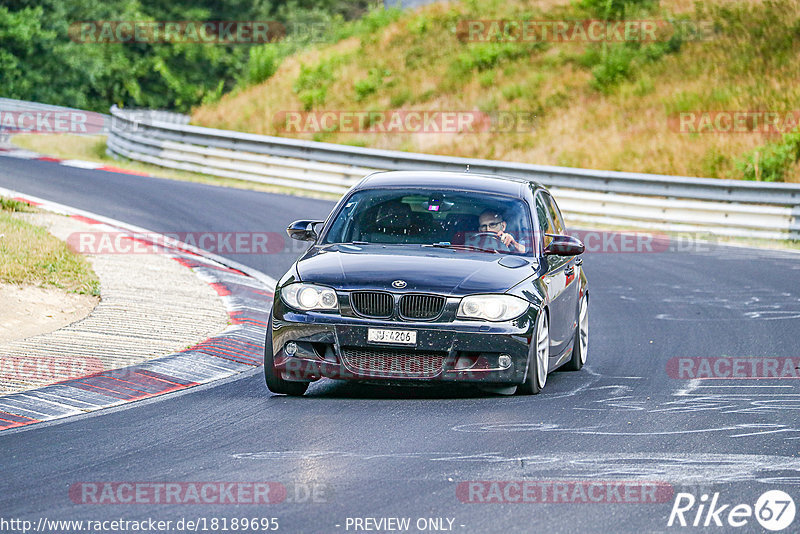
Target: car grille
{"points": [[393, 362], [421, 306], [372, 303]]}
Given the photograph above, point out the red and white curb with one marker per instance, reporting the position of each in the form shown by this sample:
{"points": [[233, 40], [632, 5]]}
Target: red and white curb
{"points": [[21, 153], [246, 293]]}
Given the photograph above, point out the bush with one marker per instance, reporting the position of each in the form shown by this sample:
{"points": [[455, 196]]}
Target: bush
{"points": [[262, 63], [401, 97], [376, 18], [484, 56], [311, 85], [614, 67], [616, 9], [371, 83], [486, 79], [771, 162], [615, 63], [512, 92]]}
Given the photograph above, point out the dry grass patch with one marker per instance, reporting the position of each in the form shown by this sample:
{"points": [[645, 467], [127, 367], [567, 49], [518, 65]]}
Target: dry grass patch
{"points": [[590, 115]]}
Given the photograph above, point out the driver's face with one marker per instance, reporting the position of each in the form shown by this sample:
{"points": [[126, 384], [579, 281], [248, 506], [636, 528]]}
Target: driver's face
{"points": [[491, 223]]}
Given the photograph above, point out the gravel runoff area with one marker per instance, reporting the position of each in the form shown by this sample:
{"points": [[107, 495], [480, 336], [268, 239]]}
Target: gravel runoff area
{"points": [[150, 306]]}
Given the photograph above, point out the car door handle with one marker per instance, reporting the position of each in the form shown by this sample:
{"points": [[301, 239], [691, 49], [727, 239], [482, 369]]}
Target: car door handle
{"points": [[570, 270], [578, 261]]}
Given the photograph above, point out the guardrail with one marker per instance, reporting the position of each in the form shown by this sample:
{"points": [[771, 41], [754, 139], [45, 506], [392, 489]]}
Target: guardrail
{"points": [[725, 207]]}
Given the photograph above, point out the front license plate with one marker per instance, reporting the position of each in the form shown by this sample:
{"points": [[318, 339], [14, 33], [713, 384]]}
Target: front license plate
{"points": [[399, 337]]}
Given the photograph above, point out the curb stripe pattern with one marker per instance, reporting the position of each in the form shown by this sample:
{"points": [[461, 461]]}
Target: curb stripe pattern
{"points": [[239, 348]]}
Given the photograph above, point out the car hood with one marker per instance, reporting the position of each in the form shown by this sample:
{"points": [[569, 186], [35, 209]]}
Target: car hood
{"points": [[435, 270]]}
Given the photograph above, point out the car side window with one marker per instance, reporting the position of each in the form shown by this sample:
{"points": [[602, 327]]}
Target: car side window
{"points": [[555, 215], [544, 220]]}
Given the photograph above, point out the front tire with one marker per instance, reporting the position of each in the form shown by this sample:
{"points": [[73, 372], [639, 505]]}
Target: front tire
{"points": [[275, 383], [580, 347], [538, 358]]}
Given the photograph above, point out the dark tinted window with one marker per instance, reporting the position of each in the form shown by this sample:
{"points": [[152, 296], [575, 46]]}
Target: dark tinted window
{"points": [[424, 217], [555, 215], [545, 219]]}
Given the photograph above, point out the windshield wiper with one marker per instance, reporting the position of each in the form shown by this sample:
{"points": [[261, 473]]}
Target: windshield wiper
{"points": [[461, 247]]}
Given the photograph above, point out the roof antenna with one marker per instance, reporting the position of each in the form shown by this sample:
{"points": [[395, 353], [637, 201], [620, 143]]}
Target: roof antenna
{"points": [[467, 168]]}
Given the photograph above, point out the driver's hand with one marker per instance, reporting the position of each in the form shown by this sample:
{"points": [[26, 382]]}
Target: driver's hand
{"points": [[509, 241], [506, 238]]}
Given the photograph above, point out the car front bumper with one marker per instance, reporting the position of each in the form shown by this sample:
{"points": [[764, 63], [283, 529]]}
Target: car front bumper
{"points": [[335, 346]]}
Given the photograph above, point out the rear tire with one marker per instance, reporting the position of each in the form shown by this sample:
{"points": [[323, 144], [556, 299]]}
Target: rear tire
{"points": [[275, 383], [538, 358], [580, 347]]}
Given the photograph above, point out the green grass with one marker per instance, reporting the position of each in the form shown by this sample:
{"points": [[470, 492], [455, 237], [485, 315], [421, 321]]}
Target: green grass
{"points": [[9, 204], [29, 255]]}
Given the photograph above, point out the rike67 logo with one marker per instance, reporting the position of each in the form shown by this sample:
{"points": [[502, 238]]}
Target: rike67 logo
{"points": [[774, 510]]}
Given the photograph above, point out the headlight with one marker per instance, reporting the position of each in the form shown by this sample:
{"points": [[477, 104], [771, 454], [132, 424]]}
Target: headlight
{"points": [[492, 307], [307, 297]]}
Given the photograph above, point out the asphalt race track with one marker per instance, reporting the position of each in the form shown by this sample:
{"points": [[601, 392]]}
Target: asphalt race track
{"points": [[358, 451]]}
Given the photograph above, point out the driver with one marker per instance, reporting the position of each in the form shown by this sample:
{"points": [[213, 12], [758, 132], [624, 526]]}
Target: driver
{"points": [[492, 221]]}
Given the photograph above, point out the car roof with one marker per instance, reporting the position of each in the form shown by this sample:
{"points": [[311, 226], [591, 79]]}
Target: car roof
{"points": [[465, 181]]}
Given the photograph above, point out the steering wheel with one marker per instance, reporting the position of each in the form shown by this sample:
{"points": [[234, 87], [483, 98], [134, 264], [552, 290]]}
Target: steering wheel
{"points": [[489, 234]]}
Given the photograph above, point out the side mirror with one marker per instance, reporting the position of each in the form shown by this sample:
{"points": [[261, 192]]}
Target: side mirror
{"points": [[564, 245], [303, 230]]}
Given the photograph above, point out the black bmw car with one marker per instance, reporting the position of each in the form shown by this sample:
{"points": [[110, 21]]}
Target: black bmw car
{"points": [[425, 277]]}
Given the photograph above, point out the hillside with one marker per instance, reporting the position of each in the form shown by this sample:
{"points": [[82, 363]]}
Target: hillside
{"points": [[602, 105]]}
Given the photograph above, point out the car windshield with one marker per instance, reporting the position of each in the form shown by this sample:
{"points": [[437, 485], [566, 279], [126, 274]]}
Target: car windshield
{"points": [[452, 219]]}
